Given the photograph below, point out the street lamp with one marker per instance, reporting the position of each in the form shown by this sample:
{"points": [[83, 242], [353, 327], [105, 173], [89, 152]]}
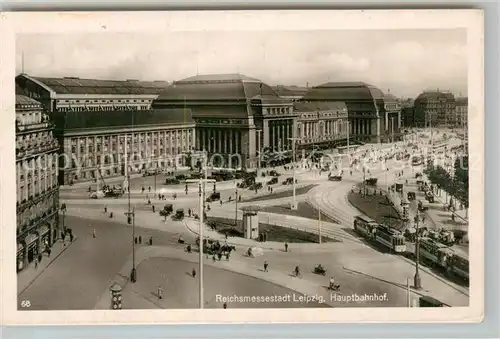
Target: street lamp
{"points": [[201, 184], [259, 131], [294, 202], [133, 273], [416, 279], [236, 207]]}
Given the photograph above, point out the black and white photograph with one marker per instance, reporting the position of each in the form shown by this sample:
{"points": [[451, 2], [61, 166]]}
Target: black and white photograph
{"points": [[234, 169]]}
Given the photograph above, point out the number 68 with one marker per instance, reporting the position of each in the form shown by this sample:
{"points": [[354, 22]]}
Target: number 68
{"points": [[25, 303]]}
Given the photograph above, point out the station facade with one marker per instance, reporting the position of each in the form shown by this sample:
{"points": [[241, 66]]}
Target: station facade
{"points": [[370, 111]]}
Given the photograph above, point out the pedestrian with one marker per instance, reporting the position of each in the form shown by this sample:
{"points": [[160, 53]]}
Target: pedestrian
{"points": [[286, 247], [220, 200], [93, 233], [48, 252], [265, 266], [219, 255], [135, 240], [140, 239], [150, 241], [149, 201], [160, 292], [142, 189], [149, 188], [193, 273], [71, 237], [36, 262], [153, 208]]}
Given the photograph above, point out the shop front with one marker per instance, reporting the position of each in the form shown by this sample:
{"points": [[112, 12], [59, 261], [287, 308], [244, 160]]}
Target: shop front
{"points": [[20, 257], [31, 249], [44, 232]]}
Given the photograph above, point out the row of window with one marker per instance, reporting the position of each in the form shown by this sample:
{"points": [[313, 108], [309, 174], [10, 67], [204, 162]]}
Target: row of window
{"points": [[100, 108], [149, 136], [114, 148], [29, 190], [102, 101], [278, 110]]}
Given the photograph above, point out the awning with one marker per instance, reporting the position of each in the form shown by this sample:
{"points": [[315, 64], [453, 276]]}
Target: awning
{"points": [[20, 247], [31, 238], [43, 230]]}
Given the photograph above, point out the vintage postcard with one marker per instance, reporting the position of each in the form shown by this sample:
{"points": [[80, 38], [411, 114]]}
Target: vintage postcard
{"points": [[224, 167]]}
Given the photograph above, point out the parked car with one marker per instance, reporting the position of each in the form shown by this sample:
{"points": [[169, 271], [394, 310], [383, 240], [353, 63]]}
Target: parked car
{"points": [[335, 178], [214, 196], [179, 214], [167, 210], [272, 181]]}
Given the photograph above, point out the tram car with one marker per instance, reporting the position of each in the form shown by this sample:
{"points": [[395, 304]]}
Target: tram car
{"points": [[381, 234], [390, 238], [445, 257]]}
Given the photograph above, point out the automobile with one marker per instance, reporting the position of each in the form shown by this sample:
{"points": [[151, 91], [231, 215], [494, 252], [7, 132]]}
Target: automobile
{"points": [[273, 173], [335, 178], [167, 210], [372, 182], [256, 186], [172, 181], [179, 214], [214, 196], [429, 196], [273, 181], [288, 181]]}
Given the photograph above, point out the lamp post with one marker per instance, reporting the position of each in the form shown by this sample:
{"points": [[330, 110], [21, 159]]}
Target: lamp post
{"points": [[201, 185], [294, 201], [133, 273], [416, 279], [259, 131], [236, 207], [364, 182], [392, 129]]}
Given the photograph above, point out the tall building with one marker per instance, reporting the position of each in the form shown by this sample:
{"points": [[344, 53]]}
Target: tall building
{"points": [[36, 180], [97, 145], [230, 110], [434, 108], [321, 123], [370, 111], [461, 112], [408, 113], [75, 94]]}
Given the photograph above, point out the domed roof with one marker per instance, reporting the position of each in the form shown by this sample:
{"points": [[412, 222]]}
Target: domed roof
{"points": [[216, 87], [344, 91]]}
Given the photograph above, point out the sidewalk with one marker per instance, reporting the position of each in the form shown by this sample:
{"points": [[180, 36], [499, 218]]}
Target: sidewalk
{"points": [[30, 273]]}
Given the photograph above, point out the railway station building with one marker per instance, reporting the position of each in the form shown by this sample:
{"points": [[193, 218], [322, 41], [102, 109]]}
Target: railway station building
{"points": [[371, 113]]}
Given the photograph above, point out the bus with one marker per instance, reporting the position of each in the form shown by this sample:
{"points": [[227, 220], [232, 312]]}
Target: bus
{"points": [[435, 252], [365, 226], [390, 238]]}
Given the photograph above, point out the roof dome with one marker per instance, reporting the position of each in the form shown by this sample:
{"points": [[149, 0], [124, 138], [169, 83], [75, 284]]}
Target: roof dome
{"points": [[344, 91]]}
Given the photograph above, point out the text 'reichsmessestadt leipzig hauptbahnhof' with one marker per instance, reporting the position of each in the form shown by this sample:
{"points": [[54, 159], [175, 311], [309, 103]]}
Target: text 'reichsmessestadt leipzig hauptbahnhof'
{"points": [[97, 124]]}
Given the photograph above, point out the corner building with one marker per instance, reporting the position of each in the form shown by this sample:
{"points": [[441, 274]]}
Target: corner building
{"points": [[434, 108], [235, 116], [370, 111], [36, 180]]}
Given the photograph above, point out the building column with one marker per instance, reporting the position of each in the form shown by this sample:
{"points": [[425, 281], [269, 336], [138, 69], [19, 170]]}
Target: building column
{"points": [[230, 141], [265, 132], [237, 141], [399, 119], [386, 120], [219, 140]]}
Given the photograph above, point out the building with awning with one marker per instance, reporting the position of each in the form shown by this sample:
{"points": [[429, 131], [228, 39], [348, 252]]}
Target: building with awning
{"points": [[37, 196]]}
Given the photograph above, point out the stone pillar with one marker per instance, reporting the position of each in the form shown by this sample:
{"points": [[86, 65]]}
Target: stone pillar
{"points": [[399, 119], [219, 140], [386, 120], [231, 145], [265, 132]]}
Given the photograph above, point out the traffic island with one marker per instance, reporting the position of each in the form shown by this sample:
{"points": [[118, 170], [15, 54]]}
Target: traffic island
{"points": [[376, 206], [268, 232]]}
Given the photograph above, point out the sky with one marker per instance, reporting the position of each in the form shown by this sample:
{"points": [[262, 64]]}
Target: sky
{"points": [[402, 62]]}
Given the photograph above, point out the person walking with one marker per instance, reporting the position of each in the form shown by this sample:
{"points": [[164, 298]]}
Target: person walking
{"points": [[265, 266], [93, 233], [36, 262], [160, 292], [105, 209], [140, 239], [193, 273], [153, 208], [286, 247]]}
